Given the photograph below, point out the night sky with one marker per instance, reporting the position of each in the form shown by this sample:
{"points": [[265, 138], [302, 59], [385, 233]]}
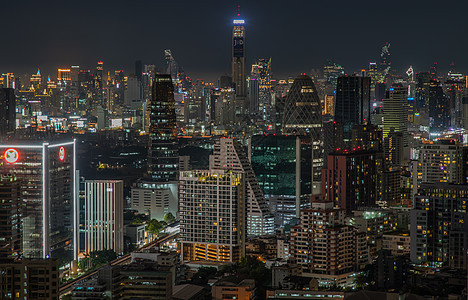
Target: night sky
{"points": [[298, 35]]}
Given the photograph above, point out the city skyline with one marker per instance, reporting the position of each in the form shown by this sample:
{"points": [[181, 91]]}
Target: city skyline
{"points": [[294, 36]]}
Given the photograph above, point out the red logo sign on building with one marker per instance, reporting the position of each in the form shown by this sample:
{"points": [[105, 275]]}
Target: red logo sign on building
{"points": [[62, 153], [11, 155]]}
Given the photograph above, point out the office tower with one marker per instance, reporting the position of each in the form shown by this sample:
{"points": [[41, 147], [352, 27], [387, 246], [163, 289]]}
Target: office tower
{"points": [[64, 75], [254, 95], [394, 149], [8, 81], [103, 222], [395, 111], [155, 199], [351, 179], [238, 65], [325, 247], [391, 190], [163, 151], [138, 70], [439, 108], [332, 139], [283, 167], [367, 136], [261, 73], [11, 207], [332, 71], [229, 155], [212, 215], [385, 62], [303, 116], [171, 66], [352, 102], [7, 111], [145, 280], [47, 171], [98, 85], [29, 279], [133, 92], [440, 161], [439, 225]]}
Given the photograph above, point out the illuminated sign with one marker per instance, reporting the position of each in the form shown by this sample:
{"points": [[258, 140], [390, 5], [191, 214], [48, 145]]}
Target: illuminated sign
{"points": [[11, 155], [61, 153], [239, 22]]}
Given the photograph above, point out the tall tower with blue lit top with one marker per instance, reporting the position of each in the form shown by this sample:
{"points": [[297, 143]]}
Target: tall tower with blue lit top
{"points": [[238, 64]]}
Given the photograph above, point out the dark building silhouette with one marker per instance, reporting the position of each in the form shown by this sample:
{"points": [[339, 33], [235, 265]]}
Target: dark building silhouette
{"points": [[7, 111], [352, 102], [163, 150]]}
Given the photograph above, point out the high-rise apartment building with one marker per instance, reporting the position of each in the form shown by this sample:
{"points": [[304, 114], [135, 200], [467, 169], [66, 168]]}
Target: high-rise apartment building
{"points": [[439, 225], [47, 175], [103, 222], [7, 111], [163, 151], [441, 161], [228, 154], [325, 247], [352, 102], [212, 215], [351, 179]]}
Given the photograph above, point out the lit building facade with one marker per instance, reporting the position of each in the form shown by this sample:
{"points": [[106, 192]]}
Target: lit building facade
{"points": [[395, 110], [228, 154], [47, 175], [283, 168], [351, 179], [303, 116], [238, 65], [103, 222], [325, 248], [440, 161], [155, 199], [163, 154], [11, 207], [439, 225], [212, 215]]}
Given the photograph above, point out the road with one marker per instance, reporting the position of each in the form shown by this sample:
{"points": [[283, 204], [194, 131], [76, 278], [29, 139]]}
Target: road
{"points": [[125, 259]]}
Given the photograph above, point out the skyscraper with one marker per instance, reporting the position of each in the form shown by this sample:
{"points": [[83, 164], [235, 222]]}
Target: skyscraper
{"points": [[238, 65], [228, 154], [395, 110], [47, 173], [163, 151], [303, 116], [352, 102], [7, 111], [104, 204], [385, 63], [11, 207], [212, 215]]}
